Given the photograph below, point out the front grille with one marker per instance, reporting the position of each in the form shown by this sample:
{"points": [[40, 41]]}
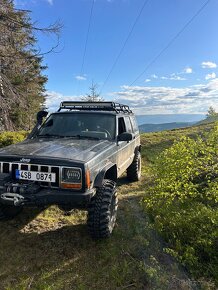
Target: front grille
{"points": [[6, 167]]}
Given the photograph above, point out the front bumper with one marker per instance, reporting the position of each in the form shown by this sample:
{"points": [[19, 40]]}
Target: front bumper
{"points": [[47, 197]]}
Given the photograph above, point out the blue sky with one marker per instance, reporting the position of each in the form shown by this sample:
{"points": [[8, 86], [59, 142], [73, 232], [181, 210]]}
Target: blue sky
{"points": [[182, 80]]}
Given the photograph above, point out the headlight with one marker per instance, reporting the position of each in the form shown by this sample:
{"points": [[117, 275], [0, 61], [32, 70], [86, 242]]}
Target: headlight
{"points": [[71, 178]]}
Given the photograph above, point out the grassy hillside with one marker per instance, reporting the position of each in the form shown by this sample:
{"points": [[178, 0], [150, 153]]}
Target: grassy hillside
{"points": [[46, 249], [154, 143]]}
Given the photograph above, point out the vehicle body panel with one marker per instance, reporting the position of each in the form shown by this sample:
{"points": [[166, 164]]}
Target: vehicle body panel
{"points": [[66, 148]]}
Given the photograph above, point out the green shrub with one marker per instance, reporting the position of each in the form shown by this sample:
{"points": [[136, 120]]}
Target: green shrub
{"points": [[183, 202], [8, 138]]}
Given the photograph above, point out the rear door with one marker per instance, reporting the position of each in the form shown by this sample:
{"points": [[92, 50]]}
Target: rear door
{"points": [[135, 131], [125, 149]]}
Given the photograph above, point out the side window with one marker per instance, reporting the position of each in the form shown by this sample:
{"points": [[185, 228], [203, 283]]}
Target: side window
{"points": [[121, 126], [134, 124], [128, 125]]}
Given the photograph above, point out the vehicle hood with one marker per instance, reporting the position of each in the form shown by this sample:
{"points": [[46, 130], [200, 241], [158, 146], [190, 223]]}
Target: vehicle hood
{"points": [[73, 149]]}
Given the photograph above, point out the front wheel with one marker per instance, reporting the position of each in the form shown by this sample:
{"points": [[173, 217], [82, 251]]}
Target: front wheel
{"points": [[8, 212], [134, 170], [103, 210]]}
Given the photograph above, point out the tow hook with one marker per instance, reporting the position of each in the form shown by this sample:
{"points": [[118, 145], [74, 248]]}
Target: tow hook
{"points": [[17, 199]]}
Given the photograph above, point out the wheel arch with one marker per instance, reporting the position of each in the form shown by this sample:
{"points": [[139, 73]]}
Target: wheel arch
{"points": [[108, 172], [138, 148]]}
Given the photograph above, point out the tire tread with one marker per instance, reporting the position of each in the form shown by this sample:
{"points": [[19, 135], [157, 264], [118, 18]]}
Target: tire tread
{"points": [[99, 210]]}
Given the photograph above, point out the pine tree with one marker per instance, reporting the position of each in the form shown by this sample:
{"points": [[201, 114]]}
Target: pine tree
{"points": [[211, 112], [93, 95], [22, 84]]}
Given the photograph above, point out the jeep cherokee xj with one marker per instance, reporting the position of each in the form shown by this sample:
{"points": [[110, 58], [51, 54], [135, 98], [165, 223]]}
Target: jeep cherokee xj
{"points": [[73, 160]]}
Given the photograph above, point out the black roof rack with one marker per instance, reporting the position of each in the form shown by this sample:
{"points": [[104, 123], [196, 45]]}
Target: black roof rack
{"points": [[94, 106]]}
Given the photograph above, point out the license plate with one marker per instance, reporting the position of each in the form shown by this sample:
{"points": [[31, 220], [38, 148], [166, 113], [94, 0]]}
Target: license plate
{"points": [[35, 175]]}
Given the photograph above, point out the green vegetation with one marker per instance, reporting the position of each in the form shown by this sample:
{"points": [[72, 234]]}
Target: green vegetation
{"points": [[155, 143], [182, 200], [8, 138], [48, 249]]}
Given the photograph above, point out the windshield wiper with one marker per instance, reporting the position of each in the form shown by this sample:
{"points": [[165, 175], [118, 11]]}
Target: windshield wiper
{"points": [[49, 135], [87, 137], [67, 136]]}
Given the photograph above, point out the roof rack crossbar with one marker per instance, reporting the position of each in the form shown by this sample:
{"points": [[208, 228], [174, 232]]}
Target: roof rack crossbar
{"points": [[94, 106]]}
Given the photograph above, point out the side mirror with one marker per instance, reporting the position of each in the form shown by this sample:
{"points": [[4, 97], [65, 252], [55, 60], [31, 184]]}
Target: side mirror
{"points": [[124, 137], [40, 116]]}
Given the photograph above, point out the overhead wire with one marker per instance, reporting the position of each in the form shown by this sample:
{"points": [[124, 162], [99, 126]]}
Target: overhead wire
{"points": [[124, 44], [87, 37], [171, 41]]}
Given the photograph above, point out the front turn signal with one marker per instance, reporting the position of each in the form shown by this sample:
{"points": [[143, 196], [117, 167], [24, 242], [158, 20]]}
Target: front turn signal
{"points": [[88, 180], [71, 185]]}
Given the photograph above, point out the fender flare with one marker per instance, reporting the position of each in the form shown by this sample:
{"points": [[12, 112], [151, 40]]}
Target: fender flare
{"points": [[101, 175], [138, 148]]}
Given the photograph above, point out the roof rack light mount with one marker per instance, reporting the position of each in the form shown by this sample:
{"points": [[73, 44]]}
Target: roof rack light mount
{"points": [[94, 106]]}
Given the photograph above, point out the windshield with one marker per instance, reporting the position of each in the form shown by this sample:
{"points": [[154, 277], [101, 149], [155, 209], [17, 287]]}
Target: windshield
{"points": [[97, 126]]}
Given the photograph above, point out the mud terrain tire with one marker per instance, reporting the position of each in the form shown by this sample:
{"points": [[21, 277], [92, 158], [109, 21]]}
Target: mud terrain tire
{"points": [[8, 212], [134, 170], [103, 210]]}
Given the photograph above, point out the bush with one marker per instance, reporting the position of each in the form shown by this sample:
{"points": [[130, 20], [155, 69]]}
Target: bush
{"points": [[183, 202], [8, 138]]}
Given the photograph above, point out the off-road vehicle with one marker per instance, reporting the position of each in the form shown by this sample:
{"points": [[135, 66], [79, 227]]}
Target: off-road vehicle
{"points": [[73, 159]]}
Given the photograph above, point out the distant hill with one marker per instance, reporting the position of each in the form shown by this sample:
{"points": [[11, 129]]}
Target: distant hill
{"points": [[208, 120], [145, 128], [168, 118]]}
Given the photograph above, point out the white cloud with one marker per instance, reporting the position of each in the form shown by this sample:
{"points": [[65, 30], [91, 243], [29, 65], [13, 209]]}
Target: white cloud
{"points": [[80, 78], [208, 64], [53, 100], [173, 77], [188, 70], [170, 100], [154, 76], [177, 78], [147, 80], [210, 76], [194, 99]]}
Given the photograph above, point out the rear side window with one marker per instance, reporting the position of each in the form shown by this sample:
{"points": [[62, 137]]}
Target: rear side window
{"points": [[128, 125], [134, 124]]}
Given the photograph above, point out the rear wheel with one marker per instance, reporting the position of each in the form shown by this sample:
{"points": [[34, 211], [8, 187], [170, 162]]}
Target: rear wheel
{"points": [[9, 212], [134, 170], [103, 210]]}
